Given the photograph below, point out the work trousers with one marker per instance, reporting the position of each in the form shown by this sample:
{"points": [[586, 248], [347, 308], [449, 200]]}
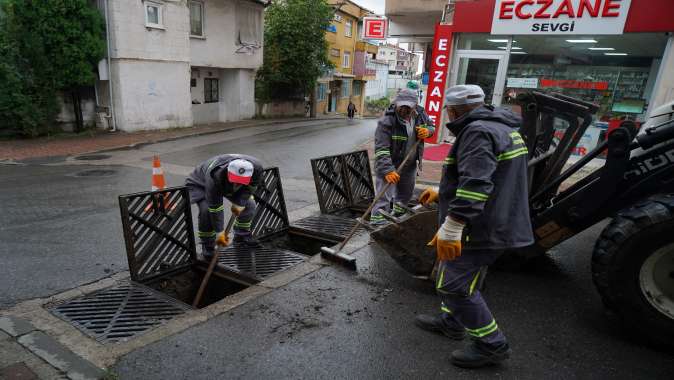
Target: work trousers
{"points": [[399, 193], [458, 285], [207, 232]]}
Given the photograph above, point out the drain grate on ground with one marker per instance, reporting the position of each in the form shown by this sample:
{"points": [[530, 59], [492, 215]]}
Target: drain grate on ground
{"points": [[257, 263], [93, 157], [120, 312], [329, 226]]}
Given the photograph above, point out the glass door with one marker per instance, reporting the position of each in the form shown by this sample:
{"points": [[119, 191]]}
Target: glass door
{"points": [[485, 69]]}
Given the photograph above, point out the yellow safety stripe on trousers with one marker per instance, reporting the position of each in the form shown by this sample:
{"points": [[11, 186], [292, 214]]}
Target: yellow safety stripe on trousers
{"points": [[397, 208], [399, 138], [206, 234], [449, 161], [474, 282], [472, 195], [445, 309], [512, 154], [376, 218], [438, 285], [217, 209], [484, 331], [239, 224]]}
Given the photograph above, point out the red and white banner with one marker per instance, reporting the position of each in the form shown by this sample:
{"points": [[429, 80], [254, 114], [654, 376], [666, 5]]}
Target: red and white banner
{"points": [[437, 78]]}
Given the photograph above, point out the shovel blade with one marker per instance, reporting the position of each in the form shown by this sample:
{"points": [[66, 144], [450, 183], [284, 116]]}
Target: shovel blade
{"points": [[406, 242]]}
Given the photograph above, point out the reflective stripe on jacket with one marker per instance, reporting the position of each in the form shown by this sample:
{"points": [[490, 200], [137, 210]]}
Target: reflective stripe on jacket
{"points": [[484, 181]]}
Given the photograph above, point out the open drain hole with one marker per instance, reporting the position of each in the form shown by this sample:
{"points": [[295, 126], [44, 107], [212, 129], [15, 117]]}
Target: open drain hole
{"points": [[95, 173], [298, 242], [93, 157], [184, 287]]}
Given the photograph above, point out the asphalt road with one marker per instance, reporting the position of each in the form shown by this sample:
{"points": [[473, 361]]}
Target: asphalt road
{"points": [[342, 325], [60, 230]]}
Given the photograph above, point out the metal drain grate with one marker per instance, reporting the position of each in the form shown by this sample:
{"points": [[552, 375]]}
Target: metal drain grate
{"points": [[329, 226], [158, 232], [120, 312], [271, 215], [359, 178], [257, 263], [93, 157], [331, 189]]}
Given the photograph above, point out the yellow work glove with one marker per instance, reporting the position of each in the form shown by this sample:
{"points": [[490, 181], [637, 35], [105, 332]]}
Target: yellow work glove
{"points": [[422, 132], [392, 177], [447, 240], [222, 240], [236, 209], [428, 196]]}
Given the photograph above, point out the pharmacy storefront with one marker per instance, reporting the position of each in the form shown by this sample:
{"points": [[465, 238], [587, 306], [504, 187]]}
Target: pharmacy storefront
{"points": [[615, 53]]}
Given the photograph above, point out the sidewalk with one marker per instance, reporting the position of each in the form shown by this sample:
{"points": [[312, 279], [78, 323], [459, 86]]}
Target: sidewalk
{"points": [[66, 145]]}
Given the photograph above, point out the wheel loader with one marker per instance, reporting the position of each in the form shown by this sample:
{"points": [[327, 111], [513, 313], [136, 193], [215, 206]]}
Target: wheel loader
{"points": [[633, 257]]}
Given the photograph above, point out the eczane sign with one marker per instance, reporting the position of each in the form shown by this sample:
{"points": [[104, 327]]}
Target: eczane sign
{"points": [[515, 17], [374, 28]]}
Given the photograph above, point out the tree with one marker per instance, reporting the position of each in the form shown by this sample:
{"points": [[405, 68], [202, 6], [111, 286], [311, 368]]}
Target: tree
{"points": [[45, 47], [295, 49]]}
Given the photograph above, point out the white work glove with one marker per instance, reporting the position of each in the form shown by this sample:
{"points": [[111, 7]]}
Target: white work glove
{"points": [[451, 230]]}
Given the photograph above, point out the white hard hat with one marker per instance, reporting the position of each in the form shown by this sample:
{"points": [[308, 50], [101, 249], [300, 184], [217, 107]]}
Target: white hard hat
{"points": [[464, 94]]}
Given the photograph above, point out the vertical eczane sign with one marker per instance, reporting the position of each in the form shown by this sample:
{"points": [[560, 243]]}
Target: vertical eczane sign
{"points": [[375, 28], [437, 78], [566, 17]]}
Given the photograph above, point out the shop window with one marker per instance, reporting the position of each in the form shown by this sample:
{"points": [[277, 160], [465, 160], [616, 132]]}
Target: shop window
{"points": [[615, 72], [154, 15], [348, 26], [211, 87], [346, 89], [196, 18]]}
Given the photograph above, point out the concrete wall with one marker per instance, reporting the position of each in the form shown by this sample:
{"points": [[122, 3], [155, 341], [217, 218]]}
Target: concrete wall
{"points": [[236, 95], [217, 48], [282, 109], [66, 117], [151, 94]]}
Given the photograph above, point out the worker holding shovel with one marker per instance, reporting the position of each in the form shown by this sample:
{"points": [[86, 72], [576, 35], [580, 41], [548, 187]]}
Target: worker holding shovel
{"points": [[231, 176], [396, 134], [483, 210]]}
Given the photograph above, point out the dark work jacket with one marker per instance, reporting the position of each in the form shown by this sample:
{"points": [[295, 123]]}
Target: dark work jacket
{"points": [[484, 180], [390, 140], [209, 181]]}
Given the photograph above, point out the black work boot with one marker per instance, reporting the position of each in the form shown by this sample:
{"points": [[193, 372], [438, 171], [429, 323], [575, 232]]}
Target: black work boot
{"points": [[479, 354], [435, 324], [246, 240]]}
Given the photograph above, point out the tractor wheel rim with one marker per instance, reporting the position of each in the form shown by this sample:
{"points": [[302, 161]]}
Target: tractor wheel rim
{"points": [[656, 279]]}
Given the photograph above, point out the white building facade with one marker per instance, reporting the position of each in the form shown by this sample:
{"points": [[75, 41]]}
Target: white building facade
{"points": [[176, 63]]}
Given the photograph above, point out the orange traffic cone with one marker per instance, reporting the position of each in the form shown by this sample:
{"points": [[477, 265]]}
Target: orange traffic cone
{"points": [[158, 183]]}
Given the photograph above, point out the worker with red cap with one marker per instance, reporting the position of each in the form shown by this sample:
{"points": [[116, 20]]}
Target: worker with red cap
{"points": [[231, 176]]}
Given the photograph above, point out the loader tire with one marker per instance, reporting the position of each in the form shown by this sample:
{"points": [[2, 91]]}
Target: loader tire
{"points": [[633, 269]]}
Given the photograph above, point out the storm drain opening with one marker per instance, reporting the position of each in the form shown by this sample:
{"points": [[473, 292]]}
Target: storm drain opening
{"points": [[297, 241], [184, 286]]}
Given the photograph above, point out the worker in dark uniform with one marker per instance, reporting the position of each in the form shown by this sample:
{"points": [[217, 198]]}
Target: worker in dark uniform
{"points": [[483, 210], [396, 133], [231, 176]]}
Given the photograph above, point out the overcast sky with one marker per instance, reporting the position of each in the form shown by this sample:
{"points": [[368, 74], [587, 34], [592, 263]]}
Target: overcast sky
{"points": [[377, 6]]}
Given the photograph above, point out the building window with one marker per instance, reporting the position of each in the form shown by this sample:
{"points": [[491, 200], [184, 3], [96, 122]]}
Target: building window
{"points": [[338, 18], [196, 18], [346, 88], [348, 29], [211, 90], [334, 53], [346, 60], [322, 92], [154, 15], [249, 25], [357, 88]]}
